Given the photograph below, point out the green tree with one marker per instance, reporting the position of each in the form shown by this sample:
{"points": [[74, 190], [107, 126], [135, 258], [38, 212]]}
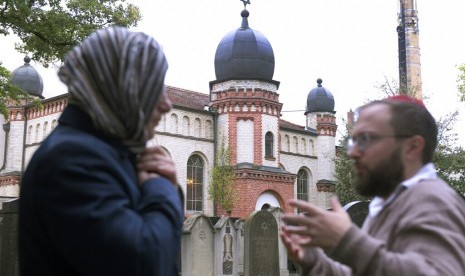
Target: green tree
{"points": [[344, 174], [390, 88], [450, 158], [50, 28], [461, 82], [221, 189]]}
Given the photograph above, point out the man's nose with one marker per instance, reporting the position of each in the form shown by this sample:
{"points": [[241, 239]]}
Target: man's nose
{"points": [[353, 152]]}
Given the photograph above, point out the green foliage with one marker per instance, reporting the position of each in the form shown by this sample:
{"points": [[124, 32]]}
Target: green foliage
{"points": [[448, 158], [344, 174], [221, 189], [461, 82], [11, 93], [390, 88], [50, 28]]}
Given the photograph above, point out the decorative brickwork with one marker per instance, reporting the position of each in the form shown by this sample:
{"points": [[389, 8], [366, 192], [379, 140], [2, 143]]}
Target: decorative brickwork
{"points": [[244, 84], [56, 105], [247, 103], [8, 180], [233, 132], [324, 185], [251, 183], [16, 114], [246, 100], [326, 125], [49, 107]]}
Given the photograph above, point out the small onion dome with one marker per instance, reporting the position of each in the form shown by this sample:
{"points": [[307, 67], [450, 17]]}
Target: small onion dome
{"points": [[244, 54], [28, 79], [320, 99]]}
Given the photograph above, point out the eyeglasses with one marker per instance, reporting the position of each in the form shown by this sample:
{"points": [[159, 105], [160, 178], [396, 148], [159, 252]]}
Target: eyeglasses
{"points": [[365, 139]]}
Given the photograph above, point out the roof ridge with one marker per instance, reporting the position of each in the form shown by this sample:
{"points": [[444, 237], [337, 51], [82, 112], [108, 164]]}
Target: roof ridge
{"points": [[183, 89]]}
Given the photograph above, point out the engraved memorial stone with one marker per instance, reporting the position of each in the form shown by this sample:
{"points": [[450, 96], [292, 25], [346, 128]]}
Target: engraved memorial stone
{"points": [[239, 226], [9, 252], [197, 246], [261, 245], [225, 247]]}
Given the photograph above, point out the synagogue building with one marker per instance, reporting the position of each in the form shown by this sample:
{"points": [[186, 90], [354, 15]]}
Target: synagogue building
{"points": [[273, 159]]}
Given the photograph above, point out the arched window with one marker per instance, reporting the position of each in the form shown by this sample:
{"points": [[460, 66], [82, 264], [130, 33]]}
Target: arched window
{"points": [[163, 123], [287, 146], [36, 137], [186, 124], [197, 128], [45, 130], [208, 129], [29, 135], [302, 185], [296, 144], [269, 141], [194, 183], [312, 147], [174, 123], [303, 146]]}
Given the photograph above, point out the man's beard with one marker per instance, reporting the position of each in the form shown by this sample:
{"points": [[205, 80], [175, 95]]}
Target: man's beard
{"points": [[383, 179]]}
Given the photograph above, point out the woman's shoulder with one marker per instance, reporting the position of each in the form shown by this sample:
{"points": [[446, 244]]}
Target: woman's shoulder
{"points": [[67, 145]]}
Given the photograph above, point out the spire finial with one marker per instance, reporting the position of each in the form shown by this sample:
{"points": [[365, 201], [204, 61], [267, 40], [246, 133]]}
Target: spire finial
{"points": [[245, 3], [245, 14], [27, 59], [319, 81]]}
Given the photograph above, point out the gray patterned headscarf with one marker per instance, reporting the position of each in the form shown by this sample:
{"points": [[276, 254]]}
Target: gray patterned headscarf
{"points": [[117, 76]]}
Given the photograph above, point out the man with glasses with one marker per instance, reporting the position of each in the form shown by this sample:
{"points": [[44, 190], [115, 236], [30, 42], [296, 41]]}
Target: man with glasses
{"points": [[416, 222]]}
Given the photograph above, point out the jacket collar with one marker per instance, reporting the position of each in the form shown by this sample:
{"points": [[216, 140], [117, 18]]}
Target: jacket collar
{"points": [[74, 117]]}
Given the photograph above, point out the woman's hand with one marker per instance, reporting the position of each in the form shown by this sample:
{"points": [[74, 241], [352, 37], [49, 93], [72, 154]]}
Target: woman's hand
{"points": [[154, 162]]}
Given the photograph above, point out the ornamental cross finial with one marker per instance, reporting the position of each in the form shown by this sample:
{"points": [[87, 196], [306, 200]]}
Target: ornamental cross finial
{"points": [[245, 3]]}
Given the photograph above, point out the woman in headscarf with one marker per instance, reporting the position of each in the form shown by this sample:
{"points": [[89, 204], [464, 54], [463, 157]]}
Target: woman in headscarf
{"points": [[94, 199]]}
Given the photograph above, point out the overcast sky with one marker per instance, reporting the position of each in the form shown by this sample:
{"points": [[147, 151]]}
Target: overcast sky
{"points": [[350, 44]]}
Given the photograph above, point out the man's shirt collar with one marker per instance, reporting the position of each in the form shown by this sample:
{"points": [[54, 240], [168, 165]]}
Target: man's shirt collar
{"points": [[428, 171]]}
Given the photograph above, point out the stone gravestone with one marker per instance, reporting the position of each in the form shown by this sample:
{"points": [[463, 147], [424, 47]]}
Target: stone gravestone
{"points": [[240, 235], [261, 245], [197, 246], [9, 258], [283, 259], [1, 227], [358, 211], [225, 247]]}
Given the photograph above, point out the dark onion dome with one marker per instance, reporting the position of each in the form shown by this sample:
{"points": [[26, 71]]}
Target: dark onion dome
{"points": [[320, 100], [244, 54], [28, 79]]}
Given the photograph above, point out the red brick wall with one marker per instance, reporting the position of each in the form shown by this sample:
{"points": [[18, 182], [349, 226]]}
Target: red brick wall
{"points": [[326, 125], [250, 184]]}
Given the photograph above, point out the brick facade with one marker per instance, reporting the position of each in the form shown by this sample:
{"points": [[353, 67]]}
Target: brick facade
{"points": [[251, 183]]}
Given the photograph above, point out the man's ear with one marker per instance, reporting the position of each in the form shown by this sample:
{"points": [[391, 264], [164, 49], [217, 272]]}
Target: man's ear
{"points": [[414, 147]]}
